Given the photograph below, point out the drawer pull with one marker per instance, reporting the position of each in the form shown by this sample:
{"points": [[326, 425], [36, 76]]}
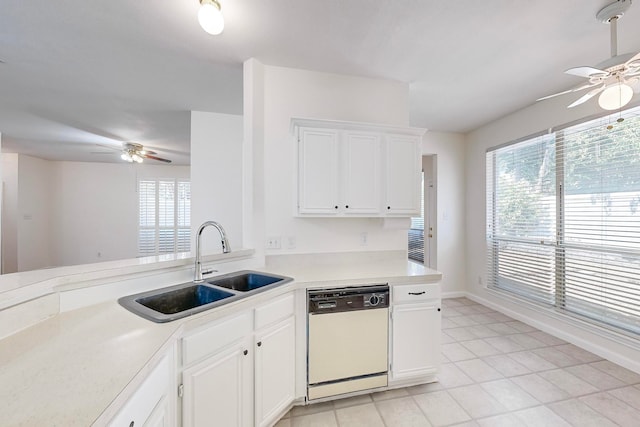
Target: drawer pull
{"points": [[417, 293]]}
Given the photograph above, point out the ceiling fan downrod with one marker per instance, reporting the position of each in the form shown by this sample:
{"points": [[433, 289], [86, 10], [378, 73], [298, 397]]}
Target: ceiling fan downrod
{"points": [[610, 15]]}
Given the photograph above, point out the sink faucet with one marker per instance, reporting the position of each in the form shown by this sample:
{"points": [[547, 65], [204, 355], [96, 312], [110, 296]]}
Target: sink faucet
{"points": [[225, 247]]}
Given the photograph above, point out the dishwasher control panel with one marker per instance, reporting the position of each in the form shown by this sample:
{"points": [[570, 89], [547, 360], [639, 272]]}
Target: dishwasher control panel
{"points": [[335, 300]]}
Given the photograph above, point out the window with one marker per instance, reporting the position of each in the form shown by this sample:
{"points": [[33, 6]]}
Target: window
{"points": [[164, 224], [563, 220], [416, 232]]}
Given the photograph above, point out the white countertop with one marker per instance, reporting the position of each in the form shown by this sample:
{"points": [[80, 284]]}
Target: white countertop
{"points": [[68, 370]]}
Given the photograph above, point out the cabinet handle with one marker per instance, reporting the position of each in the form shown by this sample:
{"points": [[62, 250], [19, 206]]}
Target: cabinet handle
{"points": [[417, 293], [131, 423], [347, 206], [245, 352], [438, 309], [336, 206], [259, 343], [388, 207]]}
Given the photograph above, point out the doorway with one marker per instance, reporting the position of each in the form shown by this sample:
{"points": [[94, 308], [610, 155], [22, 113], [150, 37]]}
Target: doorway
{"points": [[422, 233]]}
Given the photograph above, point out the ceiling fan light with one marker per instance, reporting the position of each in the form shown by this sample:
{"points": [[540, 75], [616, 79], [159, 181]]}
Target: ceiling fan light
{"points": [[615, 96], [136, 158], [126, 156], [210, 17]]}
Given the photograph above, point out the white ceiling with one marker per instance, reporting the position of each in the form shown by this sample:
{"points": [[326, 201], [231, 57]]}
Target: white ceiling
{"points": [[80, 73]]}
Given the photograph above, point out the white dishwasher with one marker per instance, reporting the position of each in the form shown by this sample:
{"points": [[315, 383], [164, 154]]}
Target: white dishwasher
{"points": [[348, 336]]}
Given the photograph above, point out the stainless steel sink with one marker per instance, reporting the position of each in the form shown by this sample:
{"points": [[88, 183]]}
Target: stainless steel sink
{"points": [[180, 300], [175, 302], [246, 281]]}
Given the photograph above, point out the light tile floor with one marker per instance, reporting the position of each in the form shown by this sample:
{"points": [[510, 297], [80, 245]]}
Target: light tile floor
{"points": [[496, 371]]}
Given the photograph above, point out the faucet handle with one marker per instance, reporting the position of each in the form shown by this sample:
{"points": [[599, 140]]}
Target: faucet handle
{"points": [[209, 271]]}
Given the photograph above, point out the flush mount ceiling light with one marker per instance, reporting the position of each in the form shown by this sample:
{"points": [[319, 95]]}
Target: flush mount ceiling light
{"points": [[210, 17], [615, 79]]}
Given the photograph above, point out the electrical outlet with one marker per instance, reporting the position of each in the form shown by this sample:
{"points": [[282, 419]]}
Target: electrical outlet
{"points": [[291, 242], [273, 243], [364, 238]]}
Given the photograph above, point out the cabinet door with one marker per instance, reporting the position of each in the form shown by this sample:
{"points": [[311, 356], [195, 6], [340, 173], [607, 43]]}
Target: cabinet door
{"points": [[361, 176], [218, 391], [155, 391], [275, 367], [161, 415], [318, 171], [402, 175], [416, 340]]}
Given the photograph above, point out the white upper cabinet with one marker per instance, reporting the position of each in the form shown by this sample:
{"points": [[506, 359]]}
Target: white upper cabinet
{"points": [[361, 173], [318, 178], [357, 169], [402, 176]]}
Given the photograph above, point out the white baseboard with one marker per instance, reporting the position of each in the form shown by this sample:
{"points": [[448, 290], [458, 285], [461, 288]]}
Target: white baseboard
{"points": [[457, 294], [605, 344]]}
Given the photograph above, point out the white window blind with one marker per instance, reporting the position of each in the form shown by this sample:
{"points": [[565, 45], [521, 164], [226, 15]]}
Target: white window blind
{"points": [[563, 220], [164, 216]]}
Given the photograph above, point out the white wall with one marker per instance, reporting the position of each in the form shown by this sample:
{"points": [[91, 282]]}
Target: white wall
{"points": [[69, 213], [449, 149], [95, 209], [9, 213], [34, 213], [535, 118], [94, 212], [1, 197], [299, 93], [216, 178], [253, 222]]}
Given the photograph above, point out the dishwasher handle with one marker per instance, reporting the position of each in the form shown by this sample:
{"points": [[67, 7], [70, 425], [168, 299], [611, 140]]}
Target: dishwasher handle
{"points": [[327, 304]]}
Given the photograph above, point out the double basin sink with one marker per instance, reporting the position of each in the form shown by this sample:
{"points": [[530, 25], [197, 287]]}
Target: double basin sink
{"points": [[175, 302]]}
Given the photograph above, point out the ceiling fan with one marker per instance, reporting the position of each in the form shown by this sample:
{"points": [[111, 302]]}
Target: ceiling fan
{"points": [[134, 152], [615, 79]]}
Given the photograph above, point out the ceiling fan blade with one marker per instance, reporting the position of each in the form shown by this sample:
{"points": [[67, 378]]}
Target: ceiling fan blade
{"points": [[635, 59], [110, 147], [574, 89], [587, 96], [586, 71], [160, 159]]}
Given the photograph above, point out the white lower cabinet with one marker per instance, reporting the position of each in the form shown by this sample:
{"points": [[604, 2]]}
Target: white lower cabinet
{"points": [[153, 403], [240, 370], [416, 322], [274, 371], [162, 415], [217, 391]]}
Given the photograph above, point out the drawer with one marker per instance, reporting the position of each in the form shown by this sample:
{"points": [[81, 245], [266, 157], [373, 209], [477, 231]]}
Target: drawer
{"points": [[274, 311], [415, 293], [212, 339], [140, 406]]}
